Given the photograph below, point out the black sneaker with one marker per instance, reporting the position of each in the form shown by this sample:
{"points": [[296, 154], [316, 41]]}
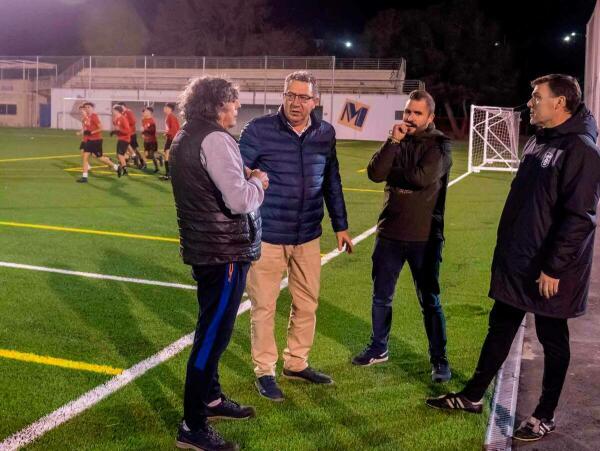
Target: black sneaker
{"points": [[120, 171], [533, 429], [229, 410], [308, 375], [125, 171], [267, 387], [368, 357], [156, 170], [82, 180], [165, 177], [440, 371], [203, 439], [455, 401]]}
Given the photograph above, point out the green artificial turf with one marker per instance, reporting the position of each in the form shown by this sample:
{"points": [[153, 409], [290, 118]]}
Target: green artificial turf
{"points": [[119, 324]]}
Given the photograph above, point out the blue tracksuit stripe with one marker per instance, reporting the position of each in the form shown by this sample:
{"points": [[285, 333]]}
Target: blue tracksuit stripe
{"points": [[209, 338]]}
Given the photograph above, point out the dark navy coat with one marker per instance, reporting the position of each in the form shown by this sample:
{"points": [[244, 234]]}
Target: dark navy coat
{"points": [[303, 172], [549, 220]]}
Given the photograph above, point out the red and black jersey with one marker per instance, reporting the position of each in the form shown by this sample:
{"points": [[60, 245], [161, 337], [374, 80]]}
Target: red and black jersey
{"points": [[172, 126], [131, 119], [149, 132], [123, 129], [92, 123], [84, 127]]}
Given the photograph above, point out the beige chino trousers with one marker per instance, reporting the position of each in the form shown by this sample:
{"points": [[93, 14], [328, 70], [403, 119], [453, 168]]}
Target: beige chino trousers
{"points": [[303, 266]]}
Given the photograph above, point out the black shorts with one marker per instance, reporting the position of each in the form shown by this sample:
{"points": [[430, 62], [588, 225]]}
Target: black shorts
{"points": [[82, 145], [94, 147], [122, 147], [133, 141], [168, 143], [151, 147]]}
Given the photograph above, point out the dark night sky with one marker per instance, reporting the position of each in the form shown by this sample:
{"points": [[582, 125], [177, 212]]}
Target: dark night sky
{"points": [[533, 28]]}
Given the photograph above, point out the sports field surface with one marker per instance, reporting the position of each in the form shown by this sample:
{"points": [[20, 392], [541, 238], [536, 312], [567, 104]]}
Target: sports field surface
{"points": [[63, 333]]}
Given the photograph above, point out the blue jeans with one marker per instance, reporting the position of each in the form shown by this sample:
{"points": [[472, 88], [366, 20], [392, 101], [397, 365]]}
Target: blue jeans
{"points": [[424, 260]]}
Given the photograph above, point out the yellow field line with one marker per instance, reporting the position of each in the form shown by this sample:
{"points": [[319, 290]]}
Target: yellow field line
{"points": [[364, 190], [79, 169], [360, 171], [10, 160], [52, 361], [132, 174], [89, 231]]}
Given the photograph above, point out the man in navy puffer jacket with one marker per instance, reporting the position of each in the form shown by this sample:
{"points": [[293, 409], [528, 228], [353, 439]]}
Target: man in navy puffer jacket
{"points": [[298, 152]]}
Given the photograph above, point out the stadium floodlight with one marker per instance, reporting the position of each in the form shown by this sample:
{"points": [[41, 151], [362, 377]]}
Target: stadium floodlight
{"points": [[567, 38], [348, 44], [573, 34]]}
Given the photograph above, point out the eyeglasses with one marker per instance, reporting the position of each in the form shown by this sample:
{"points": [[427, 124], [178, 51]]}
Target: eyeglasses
{"points": [[290, 96], [536, 100]]}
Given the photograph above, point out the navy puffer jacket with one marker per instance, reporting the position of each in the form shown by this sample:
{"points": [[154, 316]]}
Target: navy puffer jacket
{"points": [[303, 171]]}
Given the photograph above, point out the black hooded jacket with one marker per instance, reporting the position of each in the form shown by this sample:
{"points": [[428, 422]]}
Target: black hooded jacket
{"points": [[549, 220]]}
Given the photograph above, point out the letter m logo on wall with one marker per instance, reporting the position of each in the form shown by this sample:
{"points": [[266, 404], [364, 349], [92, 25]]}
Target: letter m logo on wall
{"points": [[354, 114]]}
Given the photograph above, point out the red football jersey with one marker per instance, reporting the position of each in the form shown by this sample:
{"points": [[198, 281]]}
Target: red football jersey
{"points": [[149, 130], [172, 126]]}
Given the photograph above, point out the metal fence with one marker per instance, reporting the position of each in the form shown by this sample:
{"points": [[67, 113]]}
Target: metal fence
{"points": [[26, 82]]}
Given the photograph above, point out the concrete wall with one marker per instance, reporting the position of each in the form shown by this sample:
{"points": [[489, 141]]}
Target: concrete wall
{"points": [[358, 117], [22, 94]]}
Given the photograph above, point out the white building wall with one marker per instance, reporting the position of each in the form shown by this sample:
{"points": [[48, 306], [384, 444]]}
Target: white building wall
{"points": [[378, 117]]}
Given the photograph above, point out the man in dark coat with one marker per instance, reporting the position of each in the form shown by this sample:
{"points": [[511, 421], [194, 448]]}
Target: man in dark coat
{"points": [[298, 151], [543, 258], [414, 162]]}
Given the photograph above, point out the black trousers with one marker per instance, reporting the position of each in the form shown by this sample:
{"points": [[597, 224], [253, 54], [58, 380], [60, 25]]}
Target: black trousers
{"points": [[424, 260], [553, 334], [220, 289]]}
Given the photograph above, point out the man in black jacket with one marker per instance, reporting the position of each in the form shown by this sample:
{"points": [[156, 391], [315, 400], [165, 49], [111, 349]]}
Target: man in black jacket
{"points": [[217, 201], [543, 257], [414, 162]]}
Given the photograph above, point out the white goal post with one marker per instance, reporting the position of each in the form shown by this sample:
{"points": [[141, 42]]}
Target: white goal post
{"points": [[494, 139]]}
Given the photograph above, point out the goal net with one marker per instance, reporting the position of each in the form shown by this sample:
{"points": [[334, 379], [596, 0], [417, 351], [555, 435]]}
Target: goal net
{"points": [[494, 139]]}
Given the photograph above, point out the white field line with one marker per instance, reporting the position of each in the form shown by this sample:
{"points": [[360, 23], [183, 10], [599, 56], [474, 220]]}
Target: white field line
{"points": [[97, 394], [92, 275]]}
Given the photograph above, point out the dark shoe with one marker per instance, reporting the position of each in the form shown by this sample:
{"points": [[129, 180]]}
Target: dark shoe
{"points": [[165, 177], [369, 357], [156, 170], [308, 375], [455, 401], [125, 171], [267, 387], [203, 439], [82, 180], [440, 371], [120, 171], [229, 410], [533, 429]]}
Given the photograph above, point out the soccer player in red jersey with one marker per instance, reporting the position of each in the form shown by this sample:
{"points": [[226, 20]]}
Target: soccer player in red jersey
{"points": [[92, 140], [149, 134], [133, 150], [171, 129], [123, 132]]}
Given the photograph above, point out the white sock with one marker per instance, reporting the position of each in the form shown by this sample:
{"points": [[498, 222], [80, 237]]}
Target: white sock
{"points": [[85, 174], [115, 166]]}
